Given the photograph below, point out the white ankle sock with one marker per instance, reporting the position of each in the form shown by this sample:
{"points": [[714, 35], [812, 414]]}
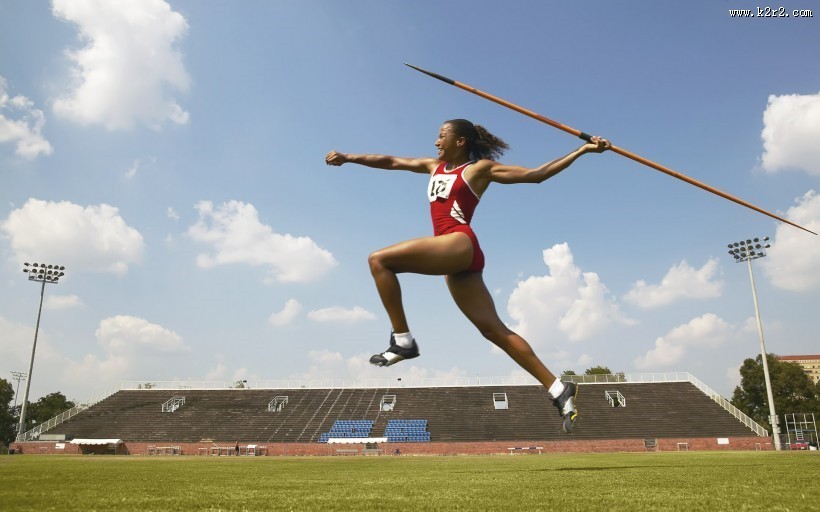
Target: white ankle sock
{"points": [[557, 388], [403, 339]]}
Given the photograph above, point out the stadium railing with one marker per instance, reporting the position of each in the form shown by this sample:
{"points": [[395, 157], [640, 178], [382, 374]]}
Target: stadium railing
{"points": [[734, 411], [60, 418], [615, 398], [173, 404]]}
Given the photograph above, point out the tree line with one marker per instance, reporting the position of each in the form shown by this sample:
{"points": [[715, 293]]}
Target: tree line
{"points": [[792, 389]]}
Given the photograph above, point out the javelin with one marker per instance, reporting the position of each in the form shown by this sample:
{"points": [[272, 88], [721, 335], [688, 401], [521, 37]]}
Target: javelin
{"points": [[620, 151]]}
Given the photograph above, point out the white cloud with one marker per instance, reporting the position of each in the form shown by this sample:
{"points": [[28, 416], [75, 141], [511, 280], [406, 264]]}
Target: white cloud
{"points": [[131, 344], [237, 236], [790, 133], [138, 166], [584, 360], [565, 303], [132, 171], [219, 372], [287, 314], [562, 361], [15, 343], [129, 67], [680, 282], [23, 126], [243, 374], [750, 326], [733, 377], [92, 238], [124, 334], [131, 348], [172, 214], [707, 330], [52, 370], [325, 357], [61, 302], [339, 314], [793, 261], [665, 353]]}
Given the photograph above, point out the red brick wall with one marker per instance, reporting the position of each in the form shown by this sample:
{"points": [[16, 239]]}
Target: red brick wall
{"points": [[309, 449], [47, 447]]}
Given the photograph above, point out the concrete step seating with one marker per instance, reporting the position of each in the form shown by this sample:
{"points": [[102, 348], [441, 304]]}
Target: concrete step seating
{"points": [[453, 414]]}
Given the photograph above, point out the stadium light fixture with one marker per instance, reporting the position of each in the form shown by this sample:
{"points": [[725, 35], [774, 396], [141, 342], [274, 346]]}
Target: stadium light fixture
{"points": [[18, 376], [748, 250], [40, 273]]}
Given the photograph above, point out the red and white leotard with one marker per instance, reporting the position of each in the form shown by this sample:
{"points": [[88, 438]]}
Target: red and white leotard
{"points": [[452, 203]]}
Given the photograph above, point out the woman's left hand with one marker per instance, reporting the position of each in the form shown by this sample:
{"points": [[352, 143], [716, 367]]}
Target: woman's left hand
{"points": [[598, 145]]}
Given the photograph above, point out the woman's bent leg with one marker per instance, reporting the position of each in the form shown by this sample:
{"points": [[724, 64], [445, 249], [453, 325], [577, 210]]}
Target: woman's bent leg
{"points": [[439, 255], [387, 283]]}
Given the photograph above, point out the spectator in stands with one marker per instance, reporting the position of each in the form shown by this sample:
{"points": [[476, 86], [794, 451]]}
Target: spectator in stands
{"points": [[459, 175]]}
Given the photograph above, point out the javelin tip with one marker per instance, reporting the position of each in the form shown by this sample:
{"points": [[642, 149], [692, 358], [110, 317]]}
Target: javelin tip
{"points": [[430, 73]]}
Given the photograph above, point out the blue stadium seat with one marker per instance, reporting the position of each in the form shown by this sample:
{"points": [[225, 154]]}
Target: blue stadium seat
{"points": [[407, 431], [347, 429]]}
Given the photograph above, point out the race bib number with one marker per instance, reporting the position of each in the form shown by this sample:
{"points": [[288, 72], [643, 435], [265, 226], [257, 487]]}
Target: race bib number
{"points": [[440, 186]]}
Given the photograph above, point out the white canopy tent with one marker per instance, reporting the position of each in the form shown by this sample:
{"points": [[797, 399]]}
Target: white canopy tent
{"points": [[96, 441], [91, 446]]}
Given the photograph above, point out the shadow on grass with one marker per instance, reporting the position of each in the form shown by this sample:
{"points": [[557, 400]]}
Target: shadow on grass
{"points": [[616, 468], [606, 468]]}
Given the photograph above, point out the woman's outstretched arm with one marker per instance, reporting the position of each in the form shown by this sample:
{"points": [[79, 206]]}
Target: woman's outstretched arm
{"points": [[420, 165], [488, 171]]}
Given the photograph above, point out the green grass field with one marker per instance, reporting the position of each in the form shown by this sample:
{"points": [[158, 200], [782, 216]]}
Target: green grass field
{"points": [[568, 482]]}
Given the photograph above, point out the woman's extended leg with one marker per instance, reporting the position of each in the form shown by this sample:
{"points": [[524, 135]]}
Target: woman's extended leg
{"points": [[474, 300]]}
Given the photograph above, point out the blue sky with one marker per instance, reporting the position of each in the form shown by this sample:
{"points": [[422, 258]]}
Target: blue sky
{"points": [[171, 156]]}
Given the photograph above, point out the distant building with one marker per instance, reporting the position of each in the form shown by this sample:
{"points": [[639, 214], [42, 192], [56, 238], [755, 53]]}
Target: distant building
{"points": [[810, 364]]}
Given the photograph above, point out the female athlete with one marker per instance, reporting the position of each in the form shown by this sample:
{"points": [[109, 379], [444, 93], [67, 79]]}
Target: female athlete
{"points": [[459, 175]]}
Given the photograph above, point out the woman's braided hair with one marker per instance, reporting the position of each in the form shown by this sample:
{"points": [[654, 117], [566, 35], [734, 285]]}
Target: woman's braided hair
{"points": [[481, 144]]}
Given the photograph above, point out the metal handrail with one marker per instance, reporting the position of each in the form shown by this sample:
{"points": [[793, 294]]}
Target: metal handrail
{"points": [[613, 396], [277, 403], [734, 411], [173, 404], [35, 432]]}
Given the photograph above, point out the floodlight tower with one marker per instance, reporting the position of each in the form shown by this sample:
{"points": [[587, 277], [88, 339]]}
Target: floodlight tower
{"points": [[41, 273], [18, 376], [748, 250]]}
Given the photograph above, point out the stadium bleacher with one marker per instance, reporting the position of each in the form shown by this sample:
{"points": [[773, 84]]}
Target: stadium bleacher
{"points": [[449, 414]]}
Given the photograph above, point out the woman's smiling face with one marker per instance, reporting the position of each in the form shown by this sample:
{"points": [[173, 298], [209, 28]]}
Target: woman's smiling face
{"points": [[448, 143]]}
